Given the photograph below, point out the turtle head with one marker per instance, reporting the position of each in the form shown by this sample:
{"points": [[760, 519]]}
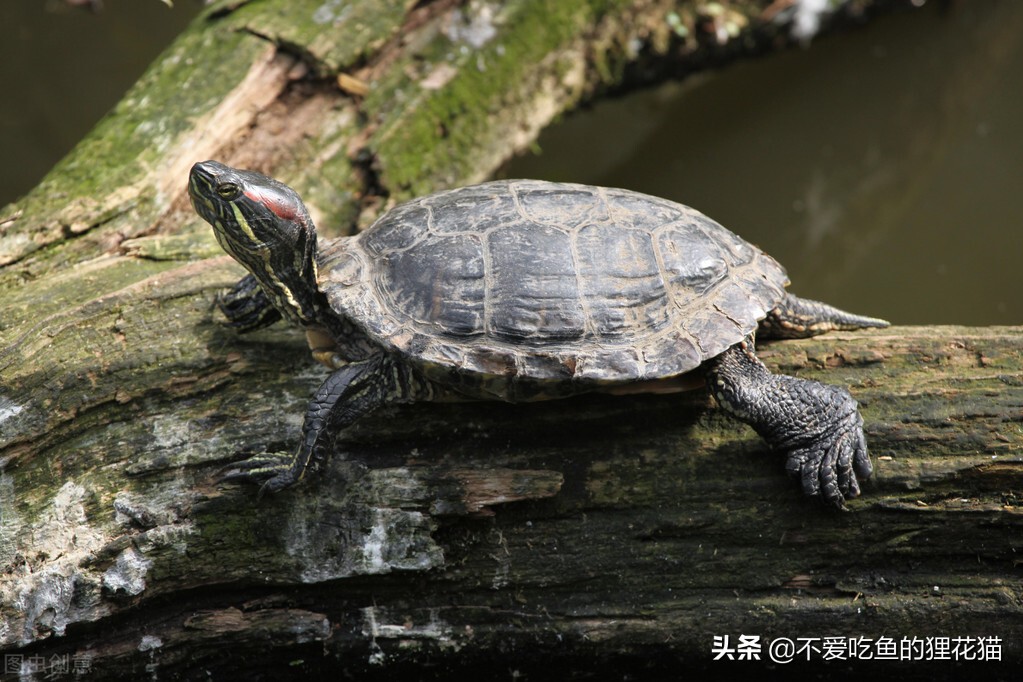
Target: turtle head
{"points": [[263, 225]]}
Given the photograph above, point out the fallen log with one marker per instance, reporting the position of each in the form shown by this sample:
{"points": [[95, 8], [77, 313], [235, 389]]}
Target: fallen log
{"points": [[454, 533]]}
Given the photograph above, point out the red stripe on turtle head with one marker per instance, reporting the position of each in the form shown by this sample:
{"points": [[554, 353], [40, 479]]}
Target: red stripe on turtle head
{"points": [[281, 206]]}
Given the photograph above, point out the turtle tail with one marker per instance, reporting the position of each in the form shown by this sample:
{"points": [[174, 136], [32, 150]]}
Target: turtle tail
{"points": [[799, 318]]}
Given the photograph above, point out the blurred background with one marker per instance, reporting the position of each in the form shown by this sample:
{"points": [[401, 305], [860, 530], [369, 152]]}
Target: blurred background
{"points": [[881, 166], [62, 67]]}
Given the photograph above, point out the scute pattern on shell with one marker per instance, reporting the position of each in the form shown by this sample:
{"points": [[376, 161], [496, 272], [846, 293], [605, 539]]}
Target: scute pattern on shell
{"points": [[551, 281]]}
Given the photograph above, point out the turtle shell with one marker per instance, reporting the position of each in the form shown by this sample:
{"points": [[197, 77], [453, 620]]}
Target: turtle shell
{"points": [[545, 281]]}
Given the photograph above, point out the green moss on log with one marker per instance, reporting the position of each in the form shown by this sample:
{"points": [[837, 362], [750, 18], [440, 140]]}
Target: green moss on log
{"points": [[107, 183], [499, 54], [311, 27]]}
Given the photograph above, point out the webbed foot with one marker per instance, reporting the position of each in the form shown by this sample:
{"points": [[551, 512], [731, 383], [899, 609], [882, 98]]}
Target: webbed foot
{"points": [[827, 459], [272, 471], [246, 306], [347, 394], [816, 426]]}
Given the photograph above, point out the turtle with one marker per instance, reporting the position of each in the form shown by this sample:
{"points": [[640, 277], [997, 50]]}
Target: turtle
{"points": [[522, 290]]}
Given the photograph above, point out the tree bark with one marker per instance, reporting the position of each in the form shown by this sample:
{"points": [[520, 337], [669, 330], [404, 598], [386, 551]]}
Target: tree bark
{"points": [[608, 534]]}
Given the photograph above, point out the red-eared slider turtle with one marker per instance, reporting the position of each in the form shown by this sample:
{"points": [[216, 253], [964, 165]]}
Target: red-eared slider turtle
{"points": [[524, 290]]}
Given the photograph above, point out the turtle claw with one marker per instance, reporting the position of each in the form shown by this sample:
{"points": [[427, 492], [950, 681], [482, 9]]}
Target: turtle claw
{"points": [[830, 464], [816, 426], [246, 306], [273, 471]]}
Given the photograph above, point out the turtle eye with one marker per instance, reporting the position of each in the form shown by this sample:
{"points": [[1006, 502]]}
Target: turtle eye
{"points": [[228, 191]]}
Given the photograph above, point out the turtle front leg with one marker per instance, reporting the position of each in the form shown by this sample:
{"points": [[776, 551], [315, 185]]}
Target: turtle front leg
{"points": [[817, 426], [351, 392], [247, 307]]}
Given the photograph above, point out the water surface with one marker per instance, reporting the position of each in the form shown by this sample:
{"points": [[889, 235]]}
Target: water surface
{"points": [[63, 68], [883, 167]]}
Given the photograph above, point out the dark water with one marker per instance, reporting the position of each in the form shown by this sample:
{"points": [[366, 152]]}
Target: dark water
{"points": [[61, 69], [883, 167]]}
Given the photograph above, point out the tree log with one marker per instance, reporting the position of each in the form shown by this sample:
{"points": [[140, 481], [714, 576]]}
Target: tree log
{"points": [[609, 534]]}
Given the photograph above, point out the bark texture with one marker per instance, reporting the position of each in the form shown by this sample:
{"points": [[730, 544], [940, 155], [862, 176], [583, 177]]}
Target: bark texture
{"points": [[588, 535]]}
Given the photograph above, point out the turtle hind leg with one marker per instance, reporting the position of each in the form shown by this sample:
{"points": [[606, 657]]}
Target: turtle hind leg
{"points": [[816, 426], [799, 318], [247, 307], [348, 393]]}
